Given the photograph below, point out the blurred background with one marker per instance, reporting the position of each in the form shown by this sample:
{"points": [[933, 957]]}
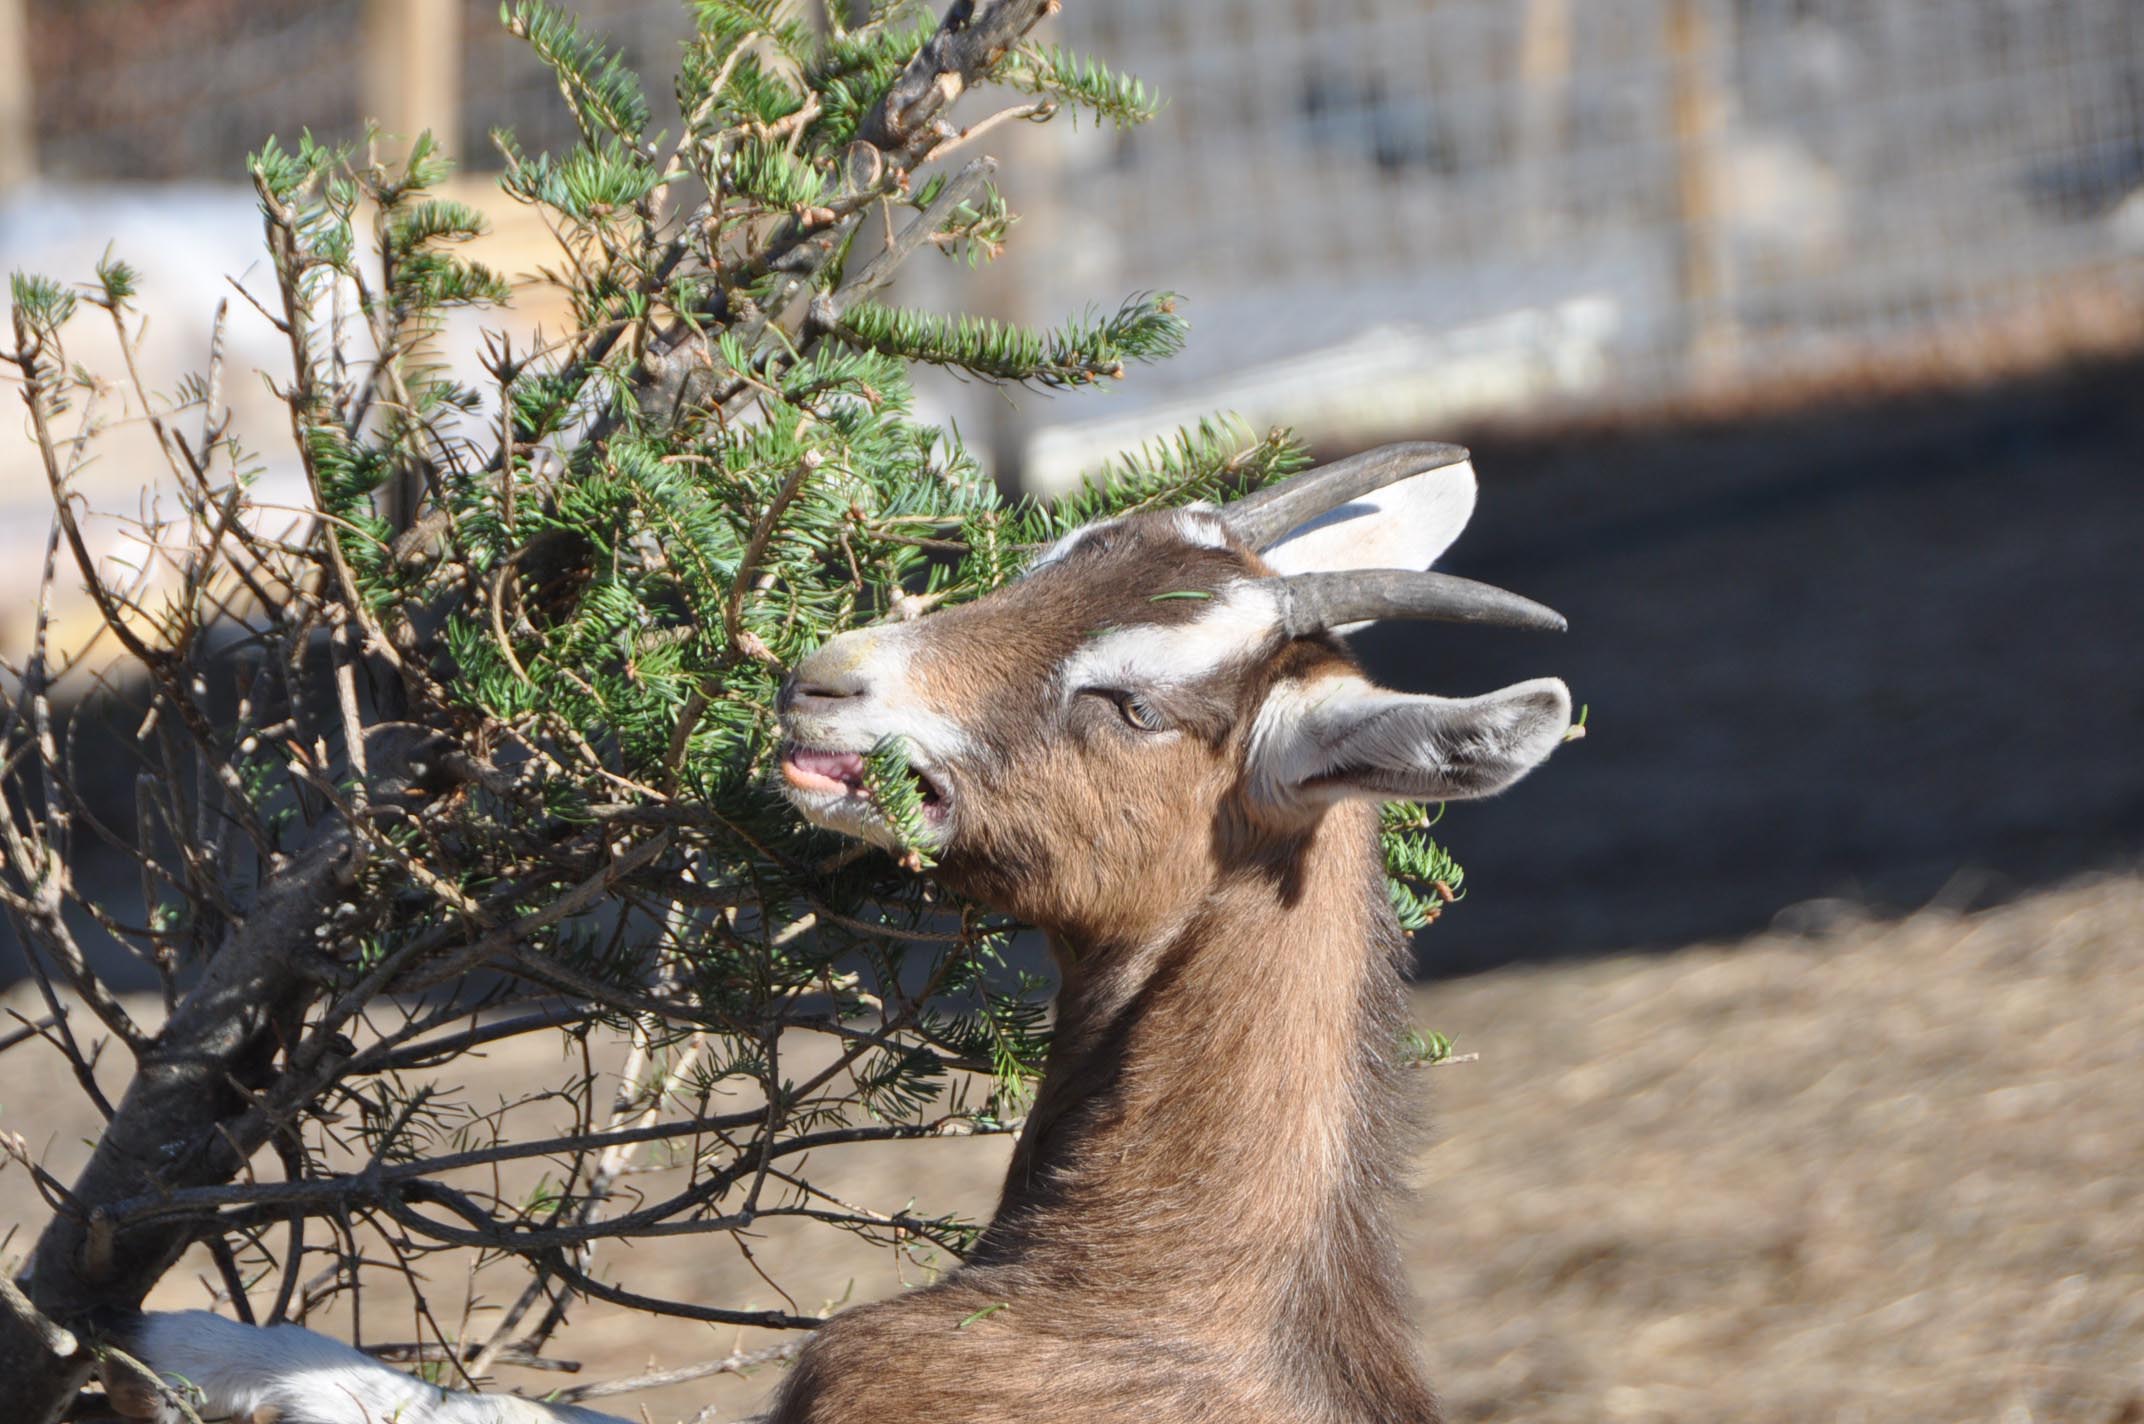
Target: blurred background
{"points": [[1801, 347]]}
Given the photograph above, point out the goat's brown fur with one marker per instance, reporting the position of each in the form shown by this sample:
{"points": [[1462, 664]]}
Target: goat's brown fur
{"points": [[1193, 1227]]}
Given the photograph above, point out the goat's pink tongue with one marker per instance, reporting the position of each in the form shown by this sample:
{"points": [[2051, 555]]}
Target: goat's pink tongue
{"points": [[823, 771]]}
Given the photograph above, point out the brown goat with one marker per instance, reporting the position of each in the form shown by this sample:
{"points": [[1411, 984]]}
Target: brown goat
{"points": [[1152, 747]]}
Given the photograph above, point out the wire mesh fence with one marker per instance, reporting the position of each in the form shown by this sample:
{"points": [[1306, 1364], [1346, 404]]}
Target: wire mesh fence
{"points": [[1390, 213], [1394, 214], [183, 89]]}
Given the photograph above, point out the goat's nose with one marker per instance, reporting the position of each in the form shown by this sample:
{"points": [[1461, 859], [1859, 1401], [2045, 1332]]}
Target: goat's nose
{"points": [[809, 686]]}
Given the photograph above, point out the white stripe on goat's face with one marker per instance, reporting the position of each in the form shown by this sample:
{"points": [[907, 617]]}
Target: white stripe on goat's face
{"points": [[1236, 623], [1103, 737]]}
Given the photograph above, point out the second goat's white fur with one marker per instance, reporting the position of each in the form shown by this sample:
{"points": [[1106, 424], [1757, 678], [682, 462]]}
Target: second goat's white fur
{"points": [[290, 1375]]}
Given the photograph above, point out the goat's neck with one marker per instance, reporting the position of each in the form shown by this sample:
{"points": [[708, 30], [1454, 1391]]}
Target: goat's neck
{"points": [[1216, 1115]]}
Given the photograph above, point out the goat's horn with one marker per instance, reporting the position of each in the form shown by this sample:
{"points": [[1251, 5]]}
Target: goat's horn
{"points": [[1261, 517], [1311, 603]]}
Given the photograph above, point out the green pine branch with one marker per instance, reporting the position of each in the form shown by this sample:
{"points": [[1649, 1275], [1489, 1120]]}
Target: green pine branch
{"points": [[774, 177], [898, 795], [1211, 462], [1421, 878], [1119, 99], [601, 90], [591, 184], [1080, 353]]}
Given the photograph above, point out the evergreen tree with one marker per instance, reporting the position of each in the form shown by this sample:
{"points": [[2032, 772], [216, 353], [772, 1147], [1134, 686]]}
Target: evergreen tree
{"points": [[505, 705]]}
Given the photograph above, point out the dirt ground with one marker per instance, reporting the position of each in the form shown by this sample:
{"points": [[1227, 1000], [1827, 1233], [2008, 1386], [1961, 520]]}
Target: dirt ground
{"points": [[1884, 1172], [1892, 1173]]}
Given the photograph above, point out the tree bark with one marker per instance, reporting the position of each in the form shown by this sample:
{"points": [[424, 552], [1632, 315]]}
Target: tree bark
{"points": [[973, 36], [42, 1365], [167, 1131]]}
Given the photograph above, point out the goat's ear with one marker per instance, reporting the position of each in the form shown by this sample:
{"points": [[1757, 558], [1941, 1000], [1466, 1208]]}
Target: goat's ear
{"points": [[1402, 526], [1341, 737]]}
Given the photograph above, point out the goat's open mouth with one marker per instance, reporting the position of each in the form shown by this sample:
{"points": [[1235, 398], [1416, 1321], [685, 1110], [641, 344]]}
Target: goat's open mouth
{"points": [[841, 774]]}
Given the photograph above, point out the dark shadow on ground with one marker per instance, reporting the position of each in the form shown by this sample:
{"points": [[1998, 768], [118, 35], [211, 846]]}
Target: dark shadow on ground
{"points": [[1867, 654]]}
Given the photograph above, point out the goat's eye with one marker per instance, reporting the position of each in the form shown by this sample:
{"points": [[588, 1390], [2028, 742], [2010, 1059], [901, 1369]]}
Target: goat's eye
{"points": [[1139, 712], [1136, 710]]}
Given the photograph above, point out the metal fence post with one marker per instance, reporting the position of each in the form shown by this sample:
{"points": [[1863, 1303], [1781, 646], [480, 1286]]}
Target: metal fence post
{"points": [[413, 68], [18, 111], [1699, 106]]}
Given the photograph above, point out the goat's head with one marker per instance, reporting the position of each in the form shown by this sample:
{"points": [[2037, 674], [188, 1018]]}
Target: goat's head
{"points": [[1161, 696]]}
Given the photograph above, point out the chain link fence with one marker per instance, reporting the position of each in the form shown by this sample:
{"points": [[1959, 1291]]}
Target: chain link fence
{"points": [[1393, 215], [182, 90], [1388, 215]]}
